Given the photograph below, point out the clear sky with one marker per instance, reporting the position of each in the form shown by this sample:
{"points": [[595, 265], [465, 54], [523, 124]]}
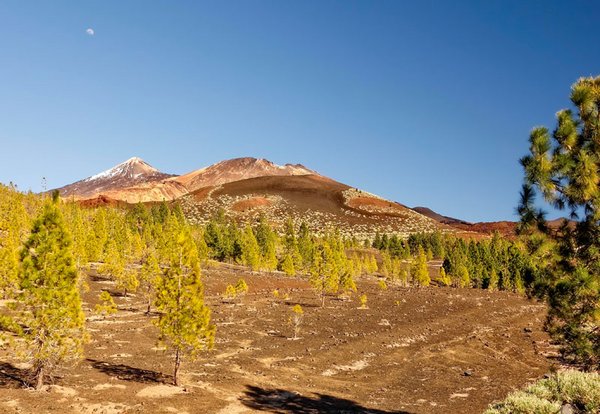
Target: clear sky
{"points": [[423, 102]]}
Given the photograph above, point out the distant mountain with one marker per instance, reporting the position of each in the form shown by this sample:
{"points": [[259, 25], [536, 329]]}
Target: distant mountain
{"points": [[133, 172], [438, 217], [506, 228], [246, 188]]}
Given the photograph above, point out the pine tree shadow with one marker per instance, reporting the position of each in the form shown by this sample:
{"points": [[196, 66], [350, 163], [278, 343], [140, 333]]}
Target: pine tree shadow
{"points": [[303, 304], [95, 277], [13, 377], [280, 401], [128, 373], [116, 293]]}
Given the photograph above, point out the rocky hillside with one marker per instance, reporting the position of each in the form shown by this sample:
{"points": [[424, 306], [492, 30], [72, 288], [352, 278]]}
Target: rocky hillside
{"points": [[246, 188], [321, 202]]}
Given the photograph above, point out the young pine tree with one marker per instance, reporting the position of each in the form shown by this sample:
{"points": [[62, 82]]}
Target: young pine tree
{"points": [[463, 278], [107, 305], [290, 245], [419, 270], [306, 246], [318, 277], [149, 276], [184, 322], [296, 319], [250, 249], [267, 241], [14, 222], [444, 279], [50, 305], [115, 266], [287, 265]]}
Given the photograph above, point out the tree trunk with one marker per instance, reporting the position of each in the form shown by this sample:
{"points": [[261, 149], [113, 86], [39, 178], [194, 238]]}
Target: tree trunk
{"points": [[176, 370], [39, 377], [322, 299], [149, 304]]}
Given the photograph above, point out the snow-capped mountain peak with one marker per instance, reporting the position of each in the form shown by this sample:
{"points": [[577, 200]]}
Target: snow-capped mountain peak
{"points": [[132, 172], [133, 168]]}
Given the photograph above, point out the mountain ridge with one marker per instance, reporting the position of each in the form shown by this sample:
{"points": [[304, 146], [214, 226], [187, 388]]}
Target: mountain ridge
{"points": [[247, 188]]}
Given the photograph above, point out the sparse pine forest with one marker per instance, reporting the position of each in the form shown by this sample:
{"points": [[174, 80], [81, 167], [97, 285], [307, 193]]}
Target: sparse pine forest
{"points": [[153, 252]]}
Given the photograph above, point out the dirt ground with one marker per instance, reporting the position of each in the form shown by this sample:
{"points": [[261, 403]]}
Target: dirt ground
{"points": [[428, 350]]}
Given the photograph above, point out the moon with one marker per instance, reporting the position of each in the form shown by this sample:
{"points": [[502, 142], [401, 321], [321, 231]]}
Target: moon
{"points": [[90, 31]]}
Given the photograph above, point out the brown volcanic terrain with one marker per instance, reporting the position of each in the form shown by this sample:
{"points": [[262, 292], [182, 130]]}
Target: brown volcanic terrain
{"points": [[321, 202], [248, 187], [409, 352]]}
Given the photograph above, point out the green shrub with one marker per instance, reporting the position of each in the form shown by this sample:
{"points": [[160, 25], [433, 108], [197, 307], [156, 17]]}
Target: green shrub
{"points": [[547, 396]]}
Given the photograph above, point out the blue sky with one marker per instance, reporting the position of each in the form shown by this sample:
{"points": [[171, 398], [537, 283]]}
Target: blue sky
{"points": [[426, 103]]}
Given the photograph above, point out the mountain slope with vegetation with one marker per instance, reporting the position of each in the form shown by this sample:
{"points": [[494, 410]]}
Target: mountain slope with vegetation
{"points": [[246, 188]]}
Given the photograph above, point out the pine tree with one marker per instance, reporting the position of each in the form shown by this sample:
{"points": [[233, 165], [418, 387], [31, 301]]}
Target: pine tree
{"points": [[493, 282], [463, 277], [184, 320], [267, 241], [296, 319], [386, 264], [419, 270], [203, 251], [331, 269], [306, 246], [287, 265], [149, 276], [50, 305], [97, 236], [318, 277], [241, 287], [347, 282], [116, 267], [250, 249], [396, 268], [290, 247], [444, 279], [363, 301], [77, 228], [14, 221], [565, 170], [107, 305]]}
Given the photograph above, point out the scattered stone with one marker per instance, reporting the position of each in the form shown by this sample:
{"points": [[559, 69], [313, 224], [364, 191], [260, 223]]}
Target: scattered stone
{"points": [[567, 409], [468, 373]]}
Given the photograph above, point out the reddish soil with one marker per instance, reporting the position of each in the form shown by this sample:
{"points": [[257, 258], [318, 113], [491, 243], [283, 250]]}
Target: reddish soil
{"points": [[100, 201], [359, 202], [202, 194], [254, 202], [429, 350]]}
